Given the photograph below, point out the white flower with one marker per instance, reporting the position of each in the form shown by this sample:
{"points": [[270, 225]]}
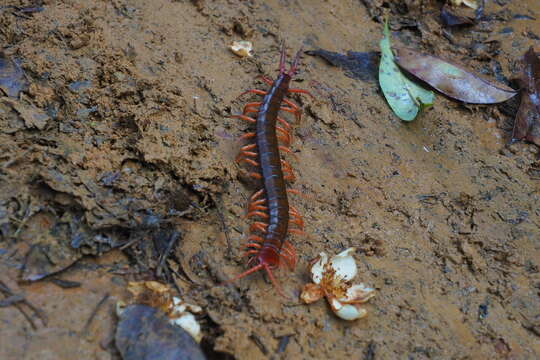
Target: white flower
{"points": [[158, 295], [470, 3], [332, 279], [181, 314]]}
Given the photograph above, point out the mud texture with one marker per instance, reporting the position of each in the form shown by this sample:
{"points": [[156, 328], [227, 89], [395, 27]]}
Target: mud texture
{"points": [[117, 164]]}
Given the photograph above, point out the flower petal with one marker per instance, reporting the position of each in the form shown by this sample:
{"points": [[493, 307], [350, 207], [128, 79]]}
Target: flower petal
{"points": [[344, 264], [242, 48], [347, 311], [358, 293], [188, 322], [317, 268], [311, 293]]}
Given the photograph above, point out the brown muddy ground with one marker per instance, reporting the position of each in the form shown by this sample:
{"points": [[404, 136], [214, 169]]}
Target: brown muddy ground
{"points": [[124, 143]]}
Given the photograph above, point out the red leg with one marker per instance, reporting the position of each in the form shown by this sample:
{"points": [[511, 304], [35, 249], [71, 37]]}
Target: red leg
{"points": [[249, 161], [285, 255], [255, 175], [251, 104], [265, 79], [243, 117], [251, 110], [284, 140], [292, 254], [255, 238], [286, 165], [291, 104], [250, 252], [296, 231], [285, 133], [256, 195], [249, 147], [249, 153], [293, 210], [257, 213], [284, 123], [297, 222], [253, 91], [258, 226], [301, 91], [288, 151], [257, 207], [289, 177], [296, 113], [249, 135], [258, 202], [253, 245], [273, 280]]}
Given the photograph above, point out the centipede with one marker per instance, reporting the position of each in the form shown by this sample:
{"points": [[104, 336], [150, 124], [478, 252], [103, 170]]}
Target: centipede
{"points": [[268, 246]]}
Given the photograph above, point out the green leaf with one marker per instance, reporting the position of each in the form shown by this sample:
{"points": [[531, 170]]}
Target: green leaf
{"points": [[404, 97]]}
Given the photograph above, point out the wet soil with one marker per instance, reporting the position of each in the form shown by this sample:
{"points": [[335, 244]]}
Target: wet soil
{"points": [[124, 150]]}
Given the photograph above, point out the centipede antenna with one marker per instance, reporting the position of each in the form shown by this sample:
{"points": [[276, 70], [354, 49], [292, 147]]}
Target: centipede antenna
{"points": [[282, 59], [295, 63]]}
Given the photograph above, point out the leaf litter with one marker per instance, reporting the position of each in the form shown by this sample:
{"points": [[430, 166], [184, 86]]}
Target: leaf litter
{"points": [[527, 123], [404, 96], [80, 199], [449, 18], [356, 65], [12, 79]]}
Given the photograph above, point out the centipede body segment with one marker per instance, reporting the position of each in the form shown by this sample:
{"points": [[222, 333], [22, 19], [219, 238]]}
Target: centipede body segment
{"points": [[268, 247]]}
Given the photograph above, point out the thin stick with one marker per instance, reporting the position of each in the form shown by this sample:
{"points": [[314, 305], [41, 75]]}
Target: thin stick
{"points": [[224, 227], [93, 314], [174, 238], [18, 304]]}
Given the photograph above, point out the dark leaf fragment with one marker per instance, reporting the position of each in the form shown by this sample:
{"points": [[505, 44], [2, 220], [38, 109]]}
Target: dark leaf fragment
{"points": [[66, 284], [527, 124], [356, 65], [12, 80], [451, 79], [144, 333], [449, 18]]}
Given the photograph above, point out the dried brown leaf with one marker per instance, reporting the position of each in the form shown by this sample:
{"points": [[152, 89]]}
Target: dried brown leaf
{"points": [[527, 124], [449, 18], [451, 79]]}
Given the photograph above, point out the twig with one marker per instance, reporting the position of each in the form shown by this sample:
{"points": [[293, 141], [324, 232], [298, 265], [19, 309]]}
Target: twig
{"points": [[93, 314], [259, 343], [130, 242], [174, 238], [369, 354], [283, 342], [224, 227], [6, 290], [65, 284], [11, 300]]}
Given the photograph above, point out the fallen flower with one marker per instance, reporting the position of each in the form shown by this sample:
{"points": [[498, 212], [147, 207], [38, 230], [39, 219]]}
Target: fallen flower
{"points": [[159, 296], [332, 279], [470, 3], [242, 48]]}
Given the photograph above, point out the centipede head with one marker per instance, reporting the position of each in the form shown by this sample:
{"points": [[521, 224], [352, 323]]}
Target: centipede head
{"points": [[294, 65]]}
